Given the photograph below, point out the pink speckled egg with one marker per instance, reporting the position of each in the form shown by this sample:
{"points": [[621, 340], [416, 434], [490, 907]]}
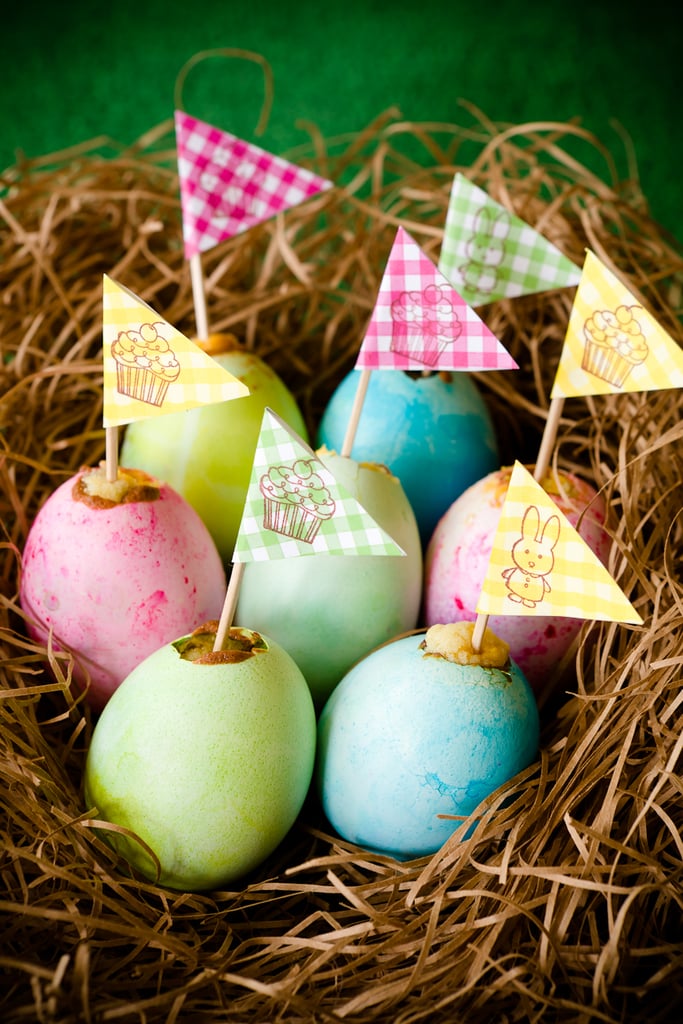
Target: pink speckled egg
{"points": [[458, 554], [115, 581]]}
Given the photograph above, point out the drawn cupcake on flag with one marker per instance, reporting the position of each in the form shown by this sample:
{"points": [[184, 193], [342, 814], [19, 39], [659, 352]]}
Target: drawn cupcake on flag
{"points": [[145, 364], [424, 323], [614, 344], [296, 500]]}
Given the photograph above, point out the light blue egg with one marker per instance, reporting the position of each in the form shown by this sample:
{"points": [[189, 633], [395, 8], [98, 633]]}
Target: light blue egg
{"points": [[433, 432], [407, 737]]}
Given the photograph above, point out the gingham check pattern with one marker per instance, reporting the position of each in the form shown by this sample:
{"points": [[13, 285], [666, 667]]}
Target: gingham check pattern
{"points": [[599, 289], [530, 262], [228, 185], [581, 586], [409, 269], [201, 380], [349, 531]]}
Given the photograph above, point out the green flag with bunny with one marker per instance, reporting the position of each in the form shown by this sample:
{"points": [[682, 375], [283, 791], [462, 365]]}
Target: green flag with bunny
{"points": [[489, 253]]}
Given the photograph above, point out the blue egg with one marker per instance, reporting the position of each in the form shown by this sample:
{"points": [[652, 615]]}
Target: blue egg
{"points": [[407, 737], [433, 432]]}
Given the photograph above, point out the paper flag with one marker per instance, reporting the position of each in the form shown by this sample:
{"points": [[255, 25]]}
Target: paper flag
{"points": [[612, 343], [228, 185], [150, 368], [419, 321], [295, 506], [540, 565], [489, 253]]}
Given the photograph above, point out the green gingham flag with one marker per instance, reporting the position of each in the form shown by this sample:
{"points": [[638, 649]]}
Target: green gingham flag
{"points": [[295, 506], [488, 253]]}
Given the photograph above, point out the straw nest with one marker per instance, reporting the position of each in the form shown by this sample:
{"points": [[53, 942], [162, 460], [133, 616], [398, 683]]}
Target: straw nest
{"points": [[566, 903]]}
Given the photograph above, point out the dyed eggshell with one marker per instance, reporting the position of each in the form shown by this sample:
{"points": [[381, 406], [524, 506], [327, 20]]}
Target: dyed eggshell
{"points": [[209, 764], [457, 560], [113, 584], [329, 610], [434, 433], [406, 737], [206, 453]]}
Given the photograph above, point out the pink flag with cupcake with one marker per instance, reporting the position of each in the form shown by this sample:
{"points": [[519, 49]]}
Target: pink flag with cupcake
{"points": [[420, 322], [613, 343], [295, 505], [228, 185], [150, 368]]}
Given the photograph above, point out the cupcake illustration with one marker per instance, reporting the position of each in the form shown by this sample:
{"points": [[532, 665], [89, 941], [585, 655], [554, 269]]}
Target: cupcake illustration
{"points": [[145, 364], [295, 500], [614, 344], [424, 324]]}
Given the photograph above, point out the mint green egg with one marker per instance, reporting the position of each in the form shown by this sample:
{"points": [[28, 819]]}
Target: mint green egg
{"points": [[208, 764]]}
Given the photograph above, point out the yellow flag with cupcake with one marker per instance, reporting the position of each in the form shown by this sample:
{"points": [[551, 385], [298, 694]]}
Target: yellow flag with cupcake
{"points": [[613, 343], [540, 564], [150, 368]]}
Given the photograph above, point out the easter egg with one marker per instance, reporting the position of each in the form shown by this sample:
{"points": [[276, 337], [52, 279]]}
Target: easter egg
{"points": [[410, 740], [458, 555], [433, 432], [206, 453], [113, 578], [329, 610], [206, 757]]}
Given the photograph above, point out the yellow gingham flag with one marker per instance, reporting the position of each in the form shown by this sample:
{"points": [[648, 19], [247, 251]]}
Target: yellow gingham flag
{"points": [[295, 506], [612, 343], [150, 368], [540, 565]]}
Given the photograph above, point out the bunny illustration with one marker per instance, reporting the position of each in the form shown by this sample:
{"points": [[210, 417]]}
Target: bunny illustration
{"points": [[485, 249], [533, 557]]}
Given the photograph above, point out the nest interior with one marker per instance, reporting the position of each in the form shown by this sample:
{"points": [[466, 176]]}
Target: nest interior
{"points": [[566, 902]]}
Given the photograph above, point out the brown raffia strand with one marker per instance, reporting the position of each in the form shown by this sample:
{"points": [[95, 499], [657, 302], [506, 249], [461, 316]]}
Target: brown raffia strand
{"points": [[566, 903]]}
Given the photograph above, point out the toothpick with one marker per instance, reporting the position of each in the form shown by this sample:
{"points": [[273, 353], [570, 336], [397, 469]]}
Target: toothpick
{"points": [[199, 296], [229, 605], [549, 437], [111, 441], [352, 427], [478, 632]]}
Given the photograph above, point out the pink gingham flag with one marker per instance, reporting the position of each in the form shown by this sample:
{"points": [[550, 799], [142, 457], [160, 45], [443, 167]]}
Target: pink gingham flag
{"points": [[420, 322], [228, 185]]}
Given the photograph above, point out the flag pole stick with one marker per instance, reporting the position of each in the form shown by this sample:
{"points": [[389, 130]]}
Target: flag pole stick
{"points": [[111, 440], [552, 424], [478, 632], [199, 297], [229, 605], [356, 409]]}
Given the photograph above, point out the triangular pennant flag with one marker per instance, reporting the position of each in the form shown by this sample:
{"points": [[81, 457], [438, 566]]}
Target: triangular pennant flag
{"points": [[540, 565], [228, 185], [420, 322], [150, 368], [489, 253], [612, 343], [295, 506]]}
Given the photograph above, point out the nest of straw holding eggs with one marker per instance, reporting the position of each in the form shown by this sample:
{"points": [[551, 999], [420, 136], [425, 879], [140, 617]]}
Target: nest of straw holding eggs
{"points": [[566, 903]]}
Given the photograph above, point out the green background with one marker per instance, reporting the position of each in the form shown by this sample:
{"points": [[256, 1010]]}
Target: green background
{"points": [[74, 71]]}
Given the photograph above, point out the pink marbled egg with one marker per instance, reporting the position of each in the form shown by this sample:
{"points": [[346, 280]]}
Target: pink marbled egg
{"points": [[116, 583], [458, 555]]}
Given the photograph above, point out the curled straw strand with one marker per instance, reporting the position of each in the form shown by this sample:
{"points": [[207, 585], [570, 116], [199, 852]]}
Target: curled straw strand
{"points": [[566, 903]]}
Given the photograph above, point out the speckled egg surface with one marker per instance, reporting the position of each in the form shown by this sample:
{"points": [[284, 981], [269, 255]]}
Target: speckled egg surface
{"points": [[408, 737], [458, 555], [114, 583], [434, 432]]}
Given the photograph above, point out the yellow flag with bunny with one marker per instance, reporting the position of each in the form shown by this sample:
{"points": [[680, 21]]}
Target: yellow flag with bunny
{"points": [[540, 565], [613, 343], [150, 368]]}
